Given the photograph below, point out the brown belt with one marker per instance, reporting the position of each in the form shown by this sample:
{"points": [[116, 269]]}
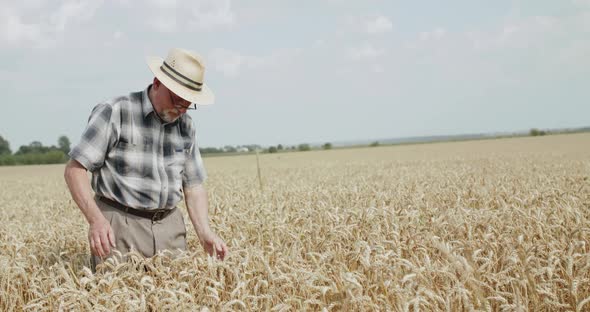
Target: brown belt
{"points": [[152, 214]]}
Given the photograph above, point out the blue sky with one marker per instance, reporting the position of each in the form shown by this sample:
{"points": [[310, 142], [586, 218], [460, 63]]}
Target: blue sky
{"points": [[303, 71]]}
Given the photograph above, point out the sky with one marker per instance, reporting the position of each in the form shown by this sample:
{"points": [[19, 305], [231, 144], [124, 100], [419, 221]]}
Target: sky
{"points": [[290, 72]]}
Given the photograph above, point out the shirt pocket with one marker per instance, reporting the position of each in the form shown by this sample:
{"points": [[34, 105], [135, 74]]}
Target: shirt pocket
{"points": [[129, 159], [175, 163]]}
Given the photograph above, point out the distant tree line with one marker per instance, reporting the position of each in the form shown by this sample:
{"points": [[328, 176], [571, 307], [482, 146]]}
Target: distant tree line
{"points": [[228, 149], [35, 153], [303, 147], [537, 132]]}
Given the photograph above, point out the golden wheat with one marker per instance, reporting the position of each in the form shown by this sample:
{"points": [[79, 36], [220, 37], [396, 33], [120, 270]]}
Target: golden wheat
{"points": [[498, 225]]}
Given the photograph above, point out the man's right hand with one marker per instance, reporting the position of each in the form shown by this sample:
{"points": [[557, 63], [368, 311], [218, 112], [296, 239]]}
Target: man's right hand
{"points": [[100, 234], [101, 237]]}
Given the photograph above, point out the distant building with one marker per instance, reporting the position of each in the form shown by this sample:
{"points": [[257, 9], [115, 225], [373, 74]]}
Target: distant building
{"points": [[229, 149], [242, 149]]}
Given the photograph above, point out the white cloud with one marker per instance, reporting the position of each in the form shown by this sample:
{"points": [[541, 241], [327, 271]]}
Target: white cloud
{"points": [[163, 4], [227, 62], [365, 51], [74, 11], [118, 35], [513, 52], [164, 24], [378, 69], [31, 4], [523, 33], [232, 63], [319, 42], [124, 3], [13, 30], [582, 21], [42, 22], [209, 14], [199, 15], [381, 24], [436, 34], [581, 3], [38, 23]]}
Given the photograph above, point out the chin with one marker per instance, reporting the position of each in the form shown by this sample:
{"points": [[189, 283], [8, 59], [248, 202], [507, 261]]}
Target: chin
{"points": [[169, 116]]}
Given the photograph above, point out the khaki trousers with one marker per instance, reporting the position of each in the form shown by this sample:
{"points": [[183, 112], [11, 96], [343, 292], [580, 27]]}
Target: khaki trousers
{"points": [[141, 234]]}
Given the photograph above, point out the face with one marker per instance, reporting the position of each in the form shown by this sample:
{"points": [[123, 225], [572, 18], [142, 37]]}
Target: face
{"points": [[171, 105]]}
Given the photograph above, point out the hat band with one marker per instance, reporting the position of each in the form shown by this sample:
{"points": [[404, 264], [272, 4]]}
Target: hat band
{"points": [[180, 78]]}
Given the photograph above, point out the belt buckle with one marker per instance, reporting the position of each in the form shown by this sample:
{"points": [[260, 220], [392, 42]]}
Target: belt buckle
{"points": [[158, 215]]}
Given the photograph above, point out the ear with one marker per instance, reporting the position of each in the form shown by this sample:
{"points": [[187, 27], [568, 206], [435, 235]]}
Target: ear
{"points": [[156, 83]]}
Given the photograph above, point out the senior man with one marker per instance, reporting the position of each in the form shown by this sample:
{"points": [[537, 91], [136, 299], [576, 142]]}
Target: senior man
{"points": [[144, 159]]}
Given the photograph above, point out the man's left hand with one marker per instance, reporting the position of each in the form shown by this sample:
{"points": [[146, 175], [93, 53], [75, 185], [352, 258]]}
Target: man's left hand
{"points": [[213, 245]]}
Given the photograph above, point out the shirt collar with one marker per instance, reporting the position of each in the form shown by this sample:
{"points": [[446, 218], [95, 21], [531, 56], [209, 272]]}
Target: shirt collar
{"points": [[146, 105]]}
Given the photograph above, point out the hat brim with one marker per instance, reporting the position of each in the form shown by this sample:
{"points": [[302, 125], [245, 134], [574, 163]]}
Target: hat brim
{"points": [[203, 97]]}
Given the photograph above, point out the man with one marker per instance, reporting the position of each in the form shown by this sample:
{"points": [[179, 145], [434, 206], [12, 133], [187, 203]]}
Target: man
{"points": [[142, 153]]}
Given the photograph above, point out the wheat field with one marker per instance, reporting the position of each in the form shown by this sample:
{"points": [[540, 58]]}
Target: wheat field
{"points": [[492, 225]]}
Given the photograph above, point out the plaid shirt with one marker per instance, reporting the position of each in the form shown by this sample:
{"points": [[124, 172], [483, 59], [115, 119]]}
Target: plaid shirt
{"points": [[135, 158]]}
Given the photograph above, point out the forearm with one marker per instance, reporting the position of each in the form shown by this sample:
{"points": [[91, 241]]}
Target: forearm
{"points": [[79, 186], [197, 205]]}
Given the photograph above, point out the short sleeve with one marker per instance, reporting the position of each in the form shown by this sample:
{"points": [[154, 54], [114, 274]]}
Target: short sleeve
{"points": [[194, 170], [96, 140]]}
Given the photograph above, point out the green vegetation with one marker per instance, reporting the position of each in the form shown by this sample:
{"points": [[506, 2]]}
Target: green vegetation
{"points": [[51, 157], [34, 153], [536, 132], [4, 146], [304, 147], [63, 144]]}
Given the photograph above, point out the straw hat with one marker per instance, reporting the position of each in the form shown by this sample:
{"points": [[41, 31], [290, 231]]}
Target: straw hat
{"points": [[183, 73]]}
